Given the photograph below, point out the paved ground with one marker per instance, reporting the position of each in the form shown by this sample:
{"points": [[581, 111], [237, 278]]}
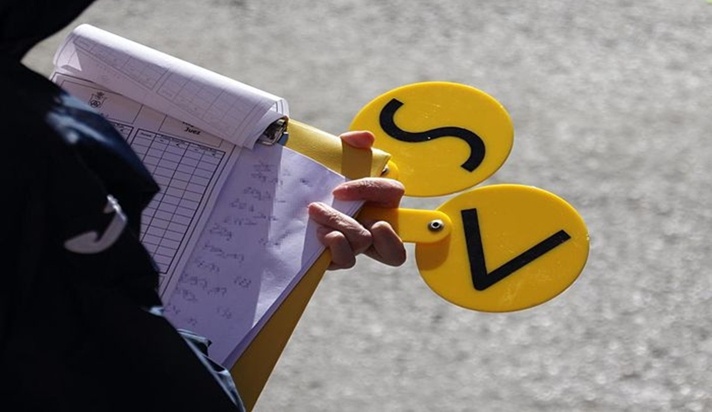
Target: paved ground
{"points": [[611, 102]]}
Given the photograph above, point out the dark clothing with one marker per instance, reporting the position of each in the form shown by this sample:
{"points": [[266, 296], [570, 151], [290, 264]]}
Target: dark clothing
{"points": [[80, 318], [24, 23]]}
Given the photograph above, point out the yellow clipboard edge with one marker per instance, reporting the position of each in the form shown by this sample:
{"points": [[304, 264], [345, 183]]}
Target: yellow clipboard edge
{"points": [[253, 369], [330, 151]]}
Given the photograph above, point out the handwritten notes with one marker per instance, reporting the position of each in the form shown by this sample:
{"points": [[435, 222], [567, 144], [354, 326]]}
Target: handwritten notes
{"points": [[228, 262], [256, 246]]}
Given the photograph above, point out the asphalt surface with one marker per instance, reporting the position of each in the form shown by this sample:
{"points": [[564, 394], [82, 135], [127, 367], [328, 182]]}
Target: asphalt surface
{"points": [[612, 106]]}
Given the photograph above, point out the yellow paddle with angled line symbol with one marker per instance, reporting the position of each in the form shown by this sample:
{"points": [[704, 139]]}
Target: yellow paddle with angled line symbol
{"points": [[497, 248]]}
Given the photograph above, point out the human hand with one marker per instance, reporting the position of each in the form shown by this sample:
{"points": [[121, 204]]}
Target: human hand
{"points": [[347, 237]]}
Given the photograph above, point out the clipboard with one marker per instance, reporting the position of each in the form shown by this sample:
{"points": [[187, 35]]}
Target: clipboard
{"points": [[252, 370], [158, 100]]}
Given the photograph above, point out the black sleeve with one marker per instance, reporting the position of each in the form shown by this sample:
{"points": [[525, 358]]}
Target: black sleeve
{"points": [[82, 331]]}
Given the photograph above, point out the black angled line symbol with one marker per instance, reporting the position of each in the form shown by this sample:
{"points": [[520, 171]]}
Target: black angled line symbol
{"points": [[482, 280]]}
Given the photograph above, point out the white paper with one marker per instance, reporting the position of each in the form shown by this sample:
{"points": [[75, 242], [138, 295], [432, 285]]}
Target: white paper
{"points": [[189, 165], [217, 104], [257, 244]]}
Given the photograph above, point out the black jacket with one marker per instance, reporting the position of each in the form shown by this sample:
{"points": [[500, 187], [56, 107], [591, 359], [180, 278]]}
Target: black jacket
{"points": [[80, 318]]}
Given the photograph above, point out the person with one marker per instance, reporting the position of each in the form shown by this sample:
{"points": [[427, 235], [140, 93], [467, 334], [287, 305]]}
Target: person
{"points": [[81, 325]]}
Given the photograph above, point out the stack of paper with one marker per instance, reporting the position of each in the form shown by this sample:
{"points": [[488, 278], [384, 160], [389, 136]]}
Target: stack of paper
{"points": [[229, 228]]}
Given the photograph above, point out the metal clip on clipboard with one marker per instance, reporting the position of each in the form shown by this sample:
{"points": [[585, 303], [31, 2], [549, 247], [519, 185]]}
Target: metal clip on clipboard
{"points": [[274, 132]]}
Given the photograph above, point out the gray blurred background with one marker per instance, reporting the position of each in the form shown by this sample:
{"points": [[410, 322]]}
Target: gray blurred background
{"points": [[612, 106]]}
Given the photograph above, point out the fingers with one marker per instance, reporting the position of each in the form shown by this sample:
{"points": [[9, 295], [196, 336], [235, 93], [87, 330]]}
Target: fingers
{"points": [[346, 238], [387, 246], [343, 235], [359, 139], [376, 191], [353, 232], [342, 256]]}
